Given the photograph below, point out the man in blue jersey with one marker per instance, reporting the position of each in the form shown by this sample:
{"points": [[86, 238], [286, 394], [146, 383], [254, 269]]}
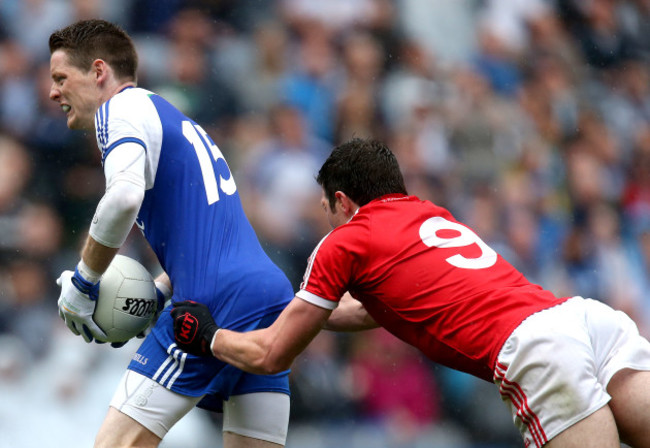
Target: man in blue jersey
{"points": [[165, 173]]}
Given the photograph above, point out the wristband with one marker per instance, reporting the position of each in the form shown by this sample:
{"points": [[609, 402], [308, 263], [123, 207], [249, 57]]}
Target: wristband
{"points": [[84, 286], [88, 274], [214, 337]]}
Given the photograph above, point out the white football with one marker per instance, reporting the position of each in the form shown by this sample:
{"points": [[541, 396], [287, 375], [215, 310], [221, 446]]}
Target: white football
{"points": [[127, 299]]}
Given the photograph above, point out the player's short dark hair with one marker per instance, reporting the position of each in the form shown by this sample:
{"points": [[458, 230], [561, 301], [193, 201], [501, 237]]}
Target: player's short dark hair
{"points": [[363, 169], [87, 40]]}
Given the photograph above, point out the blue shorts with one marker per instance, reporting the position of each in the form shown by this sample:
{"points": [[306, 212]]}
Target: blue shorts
{"points": [[160, 359]]}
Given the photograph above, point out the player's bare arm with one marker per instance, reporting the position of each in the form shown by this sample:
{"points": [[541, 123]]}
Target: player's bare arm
{"points": [[265, 351], [272, 349], [350, 315], [96, 255]]}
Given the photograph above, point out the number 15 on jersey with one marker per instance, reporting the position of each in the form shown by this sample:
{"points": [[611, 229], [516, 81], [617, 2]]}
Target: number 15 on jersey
{"points": [[199, 138]]}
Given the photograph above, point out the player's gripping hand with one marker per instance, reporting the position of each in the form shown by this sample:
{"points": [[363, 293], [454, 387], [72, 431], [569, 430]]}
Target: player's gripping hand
{"points": [[77, 305], [194, 327]]}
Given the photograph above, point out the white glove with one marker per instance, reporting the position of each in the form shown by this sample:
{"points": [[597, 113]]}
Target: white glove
{"points": [[76, 305]]}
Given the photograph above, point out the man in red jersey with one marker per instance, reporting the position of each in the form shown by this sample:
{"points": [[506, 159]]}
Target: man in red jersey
{"points": [[573, 371]]}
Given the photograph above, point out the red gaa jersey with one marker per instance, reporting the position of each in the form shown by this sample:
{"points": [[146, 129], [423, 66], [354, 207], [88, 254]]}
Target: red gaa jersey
{"points": [[427, 279]]}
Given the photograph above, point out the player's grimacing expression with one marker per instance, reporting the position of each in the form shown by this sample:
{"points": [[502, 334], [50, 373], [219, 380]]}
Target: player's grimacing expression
{"points": [[75, 90]]}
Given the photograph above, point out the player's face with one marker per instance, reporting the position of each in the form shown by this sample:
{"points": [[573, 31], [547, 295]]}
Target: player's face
{"points": [[75, 90]]}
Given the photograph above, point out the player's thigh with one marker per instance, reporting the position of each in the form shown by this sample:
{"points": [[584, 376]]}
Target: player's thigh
{"points": [[150, 407], [119, 429], [597, 430], [630, 391], [260, 417]]}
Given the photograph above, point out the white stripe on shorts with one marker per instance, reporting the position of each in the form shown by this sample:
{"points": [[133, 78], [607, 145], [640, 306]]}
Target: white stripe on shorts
{"points": [[166, 370], [178, 372]]}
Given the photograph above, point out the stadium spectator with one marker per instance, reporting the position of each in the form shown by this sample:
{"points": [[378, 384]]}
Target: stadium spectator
{"points": [[393, 384], [321, 384], [282, 192]]}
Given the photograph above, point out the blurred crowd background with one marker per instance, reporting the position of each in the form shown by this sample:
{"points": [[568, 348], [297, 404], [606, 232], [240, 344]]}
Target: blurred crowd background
{"points": [[528, 119]]}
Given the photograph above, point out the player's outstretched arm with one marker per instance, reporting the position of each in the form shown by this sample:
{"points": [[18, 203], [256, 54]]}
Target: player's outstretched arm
{"points": [[350, 315], [265, 351]]}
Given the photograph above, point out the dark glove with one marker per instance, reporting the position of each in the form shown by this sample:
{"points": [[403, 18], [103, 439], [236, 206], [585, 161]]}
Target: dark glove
{"points": [[194, 327]]}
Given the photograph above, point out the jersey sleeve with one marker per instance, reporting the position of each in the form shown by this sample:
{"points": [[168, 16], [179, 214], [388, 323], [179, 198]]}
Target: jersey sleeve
{"points": [[331, 267], [117, 122], [130, 117]]}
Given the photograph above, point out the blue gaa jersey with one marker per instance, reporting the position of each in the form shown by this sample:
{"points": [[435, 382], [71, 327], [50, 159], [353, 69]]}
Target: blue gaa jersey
{"points": [[193, 219]]}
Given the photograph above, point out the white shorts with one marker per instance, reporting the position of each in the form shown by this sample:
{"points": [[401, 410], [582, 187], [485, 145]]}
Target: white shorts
{"points": [[554, 368], [261, 415]]}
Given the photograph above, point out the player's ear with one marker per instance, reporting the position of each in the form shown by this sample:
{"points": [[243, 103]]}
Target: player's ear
{"points": [[348, 206], [100, 68]]}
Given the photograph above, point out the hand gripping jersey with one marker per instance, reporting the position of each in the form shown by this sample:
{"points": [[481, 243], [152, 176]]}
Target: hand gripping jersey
{"points": [[193, 219], [427, 279]]}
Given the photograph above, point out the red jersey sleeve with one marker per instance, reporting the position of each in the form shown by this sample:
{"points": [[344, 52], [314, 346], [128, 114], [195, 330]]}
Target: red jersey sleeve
{"points": [[331, 268]]}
